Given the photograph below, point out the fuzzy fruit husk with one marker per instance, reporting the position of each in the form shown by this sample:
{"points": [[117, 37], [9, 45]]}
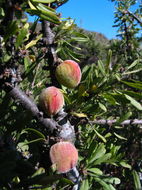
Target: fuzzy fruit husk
{"points": [[68, 73], [64, 155], [51, 100]]}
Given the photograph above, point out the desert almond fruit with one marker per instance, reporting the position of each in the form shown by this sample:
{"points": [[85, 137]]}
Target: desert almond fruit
{"points": [[51, 100], [68, 73], [64, 155]]}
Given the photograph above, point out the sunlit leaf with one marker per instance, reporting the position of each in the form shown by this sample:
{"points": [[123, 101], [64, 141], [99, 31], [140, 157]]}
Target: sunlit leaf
{"points": [[112, 180], [134, 102], [102, 107], [80, 115], [100, 136], [101, 67], [125, 165], [95, 171], [33, 42], [119, 136]]}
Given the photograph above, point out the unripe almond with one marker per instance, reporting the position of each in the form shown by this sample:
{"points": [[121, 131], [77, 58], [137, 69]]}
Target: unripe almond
{"points": [[64, 155], [68, 73], [51, 100]]}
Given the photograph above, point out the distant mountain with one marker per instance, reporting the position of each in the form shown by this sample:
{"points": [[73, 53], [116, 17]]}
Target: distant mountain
{"points": [[98, 37], [96, 47]]}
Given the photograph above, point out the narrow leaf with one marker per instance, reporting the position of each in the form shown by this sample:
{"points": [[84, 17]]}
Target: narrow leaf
{"points": [[134, 102], [22, 34], [136, 180], [102, 159], [100, 136], [38, 133], [95, 171], [85, 185], [101, 67], [99, 152], [33, 42], [120, 137], [133, 64]]}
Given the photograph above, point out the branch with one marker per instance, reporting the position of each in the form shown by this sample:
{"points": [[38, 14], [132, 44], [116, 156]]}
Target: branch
{"points": [[135, 17], [48, 39], [29, 105], [114, 121]]}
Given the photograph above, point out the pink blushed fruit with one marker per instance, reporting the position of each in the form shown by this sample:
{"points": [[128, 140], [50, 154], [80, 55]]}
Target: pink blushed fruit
{"points": [[51, 100], [68, 73], [64, 155]]}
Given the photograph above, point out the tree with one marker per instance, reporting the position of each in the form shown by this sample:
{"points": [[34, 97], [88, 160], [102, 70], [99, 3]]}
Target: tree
{"points": [[129, 26], [93, 117]]}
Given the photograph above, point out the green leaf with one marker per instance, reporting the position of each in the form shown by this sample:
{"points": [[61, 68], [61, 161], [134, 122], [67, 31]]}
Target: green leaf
{"points": [[11, 29], [72, 54], [99, 152], [43, 179], [85, 185], [38, 133], [43, 1], [131, 72], [1, 12], [111, 187], [101, 67], [108, 61], [136, 180], [27, 62], [110, 99], [95, 171], [112, 180], [33, 42], [43, 16], [79, 37], [6, 58], [125, 165], [71, 46], [33, 141], [133, 64], [137, 95], [134, 84], [104, 184], [120, 137], [47, 12], [102, 159], [134, 102], [22, 34], [123, 117], [102, 107], [100, 136]]}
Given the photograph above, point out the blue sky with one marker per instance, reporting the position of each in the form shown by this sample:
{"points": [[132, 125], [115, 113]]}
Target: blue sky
{"points": [[92, 15]]}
